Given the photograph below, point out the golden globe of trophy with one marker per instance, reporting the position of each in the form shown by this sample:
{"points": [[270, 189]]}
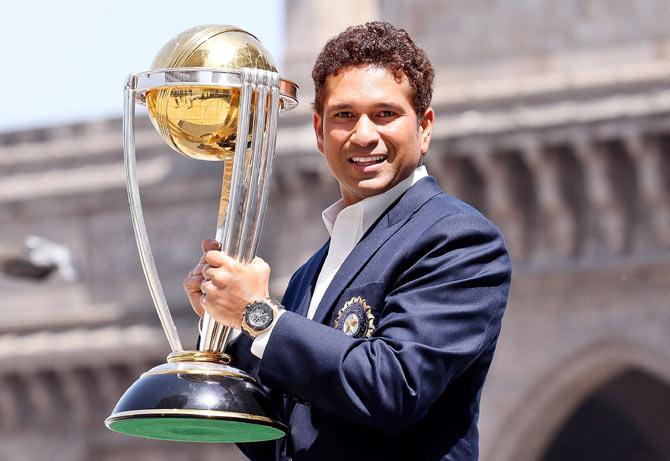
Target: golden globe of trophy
{"points": [[213, 93]]}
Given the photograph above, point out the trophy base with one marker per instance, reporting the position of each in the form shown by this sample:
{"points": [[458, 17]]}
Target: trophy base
{"points": [[196, 401]]}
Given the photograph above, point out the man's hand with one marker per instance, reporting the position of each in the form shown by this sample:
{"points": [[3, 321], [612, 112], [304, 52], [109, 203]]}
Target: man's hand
{"points": [[194, 279], [223, 287]]}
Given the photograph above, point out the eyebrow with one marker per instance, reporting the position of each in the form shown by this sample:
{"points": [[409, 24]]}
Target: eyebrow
{"points": [[338, 107], [379, 106]]}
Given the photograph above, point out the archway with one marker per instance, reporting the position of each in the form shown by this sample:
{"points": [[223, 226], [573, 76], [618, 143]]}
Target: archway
{"points": [[548, 406], [626, 418]]}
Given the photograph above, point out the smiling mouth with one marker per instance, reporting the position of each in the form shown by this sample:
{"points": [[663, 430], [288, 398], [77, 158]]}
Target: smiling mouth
{"points": [[365, 161]]}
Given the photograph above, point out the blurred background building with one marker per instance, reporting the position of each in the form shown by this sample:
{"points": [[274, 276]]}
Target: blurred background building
{"points": [[553, 118]]}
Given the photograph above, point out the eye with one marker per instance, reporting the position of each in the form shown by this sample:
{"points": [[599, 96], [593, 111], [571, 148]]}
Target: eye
{"points": [[386, 114], [343, 114]]}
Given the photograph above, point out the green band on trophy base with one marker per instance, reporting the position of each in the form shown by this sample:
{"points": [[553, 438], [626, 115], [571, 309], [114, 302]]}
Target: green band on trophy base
{"points": [[196, 430]]}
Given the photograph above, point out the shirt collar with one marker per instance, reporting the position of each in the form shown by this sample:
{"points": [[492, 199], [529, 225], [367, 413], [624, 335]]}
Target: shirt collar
{"points": [[368, 210]]}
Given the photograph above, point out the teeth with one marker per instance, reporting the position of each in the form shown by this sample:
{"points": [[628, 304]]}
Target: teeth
{"points": [[368, 159]]}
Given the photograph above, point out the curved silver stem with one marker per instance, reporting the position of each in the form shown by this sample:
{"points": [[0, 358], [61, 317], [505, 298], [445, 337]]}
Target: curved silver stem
{"points": [[255, 185], [141, 237], [268, 157]]}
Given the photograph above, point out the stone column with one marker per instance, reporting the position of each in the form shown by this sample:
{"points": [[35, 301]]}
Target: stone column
{"points": [[110, 386], [500, 202], [76, 396], [441, 164], [41, 396], [310, 24], [10, 418], [647, 153], [608, 215], [557, 221]]}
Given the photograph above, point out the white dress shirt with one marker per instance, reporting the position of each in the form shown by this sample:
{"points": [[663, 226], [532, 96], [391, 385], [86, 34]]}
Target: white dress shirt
{"points": [[346, 226]]}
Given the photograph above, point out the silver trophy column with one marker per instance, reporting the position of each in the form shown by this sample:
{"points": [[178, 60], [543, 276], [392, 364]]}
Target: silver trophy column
{"points": [[240, 223]]}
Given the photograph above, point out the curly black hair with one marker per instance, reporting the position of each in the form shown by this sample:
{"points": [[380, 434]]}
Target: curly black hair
{"points": [[379, 44]]}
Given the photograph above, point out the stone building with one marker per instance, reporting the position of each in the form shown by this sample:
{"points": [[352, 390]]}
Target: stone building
{"points": [[553, 118]]}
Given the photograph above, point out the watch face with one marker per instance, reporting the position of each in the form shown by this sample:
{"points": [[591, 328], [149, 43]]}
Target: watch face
{"points": [[259, 316]]}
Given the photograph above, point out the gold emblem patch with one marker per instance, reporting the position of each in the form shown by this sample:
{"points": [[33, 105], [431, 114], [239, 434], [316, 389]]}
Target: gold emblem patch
{"points": [[355, 319]]}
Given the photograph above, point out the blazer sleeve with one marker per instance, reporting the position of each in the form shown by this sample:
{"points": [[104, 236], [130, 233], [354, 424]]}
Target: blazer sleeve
{"points": [[441, 313]]}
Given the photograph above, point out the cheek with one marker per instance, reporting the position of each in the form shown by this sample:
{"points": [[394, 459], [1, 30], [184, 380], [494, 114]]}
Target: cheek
{"points": [[333, 142], [403, 143], [335, 135]]}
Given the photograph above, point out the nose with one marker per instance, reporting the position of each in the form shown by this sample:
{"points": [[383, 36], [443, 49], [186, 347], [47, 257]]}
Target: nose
{"points": [[365, 132]]}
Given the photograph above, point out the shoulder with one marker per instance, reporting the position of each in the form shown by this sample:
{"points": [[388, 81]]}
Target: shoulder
{"points": [[441, 231], [447, 215], [445, 231]]}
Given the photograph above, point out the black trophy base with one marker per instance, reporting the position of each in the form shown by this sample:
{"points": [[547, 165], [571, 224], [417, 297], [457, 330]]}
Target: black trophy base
{"points": [[196, 401]]}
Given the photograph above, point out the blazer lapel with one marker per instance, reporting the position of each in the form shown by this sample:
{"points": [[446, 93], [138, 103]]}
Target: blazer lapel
{"points": [[308, 280], [389, 223]]}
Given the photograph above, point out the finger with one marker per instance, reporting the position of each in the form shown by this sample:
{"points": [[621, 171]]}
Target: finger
{"points": [[260, 264], [192, 289], [205, 304], [260, 268], [210, 244], [197, 270], [215, 273], [192, 283], [202, 302], [194, 299], [206, 286], [219, 259]]}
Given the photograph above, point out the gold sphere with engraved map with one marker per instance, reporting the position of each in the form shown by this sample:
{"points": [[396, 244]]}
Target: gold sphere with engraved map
{"points": [[201, 121]]}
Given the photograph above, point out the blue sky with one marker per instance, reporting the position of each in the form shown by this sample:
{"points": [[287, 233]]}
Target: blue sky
{"points": [[67, 61]]}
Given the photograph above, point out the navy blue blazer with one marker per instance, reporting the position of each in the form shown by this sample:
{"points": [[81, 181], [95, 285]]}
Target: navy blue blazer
{"points": [[435, 274]]}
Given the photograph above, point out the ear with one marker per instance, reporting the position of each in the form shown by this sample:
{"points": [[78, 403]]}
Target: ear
{"points": [[426, 129], [317, 123]]}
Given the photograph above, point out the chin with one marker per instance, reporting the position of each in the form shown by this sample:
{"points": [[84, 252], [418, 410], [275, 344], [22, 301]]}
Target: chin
{"points": [[370, 191]]}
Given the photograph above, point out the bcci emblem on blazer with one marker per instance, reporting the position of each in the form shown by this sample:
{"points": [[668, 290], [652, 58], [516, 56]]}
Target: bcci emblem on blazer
{"points": [[355, 319]]}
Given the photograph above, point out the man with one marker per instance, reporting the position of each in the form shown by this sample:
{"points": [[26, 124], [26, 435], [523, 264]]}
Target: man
{"points": [[383, 338]]}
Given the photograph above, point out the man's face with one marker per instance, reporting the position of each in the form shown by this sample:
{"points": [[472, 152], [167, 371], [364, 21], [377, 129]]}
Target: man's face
{"points": [[368, 131]]}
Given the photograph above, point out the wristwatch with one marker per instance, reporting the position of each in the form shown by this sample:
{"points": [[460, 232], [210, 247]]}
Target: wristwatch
{"points": [[260, 315]]}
